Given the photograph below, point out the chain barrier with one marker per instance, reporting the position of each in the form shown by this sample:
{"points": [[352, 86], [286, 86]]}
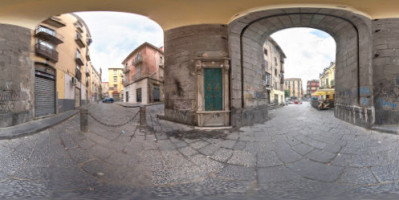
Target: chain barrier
{"points": [[114, 125]]}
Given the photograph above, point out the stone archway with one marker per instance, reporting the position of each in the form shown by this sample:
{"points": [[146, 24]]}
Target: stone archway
{"points": [[353, 37]]}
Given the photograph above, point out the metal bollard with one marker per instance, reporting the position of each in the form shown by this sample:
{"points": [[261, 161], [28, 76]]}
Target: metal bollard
{"points": [[143, 119], [84, 122]]}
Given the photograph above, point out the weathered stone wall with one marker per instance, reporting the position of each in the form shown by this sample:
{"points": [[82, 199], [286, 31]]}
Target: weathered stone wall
{"points": [[352, 34], [182, 46], [386, 70], [16, 77]]}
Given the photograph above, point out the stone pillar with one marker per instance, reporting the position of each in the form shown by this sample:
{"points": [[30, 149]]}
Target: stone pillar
{"points": [[183, 47], [143, 116], [84, 121], [386, 71], [16, 77]]}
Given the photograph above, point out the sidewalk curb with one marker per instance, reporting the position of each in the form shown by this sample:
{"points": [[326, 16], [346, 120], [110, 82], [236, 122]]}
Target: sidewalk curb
{"points": [[386, 129], [137, 106], [35, 126]]}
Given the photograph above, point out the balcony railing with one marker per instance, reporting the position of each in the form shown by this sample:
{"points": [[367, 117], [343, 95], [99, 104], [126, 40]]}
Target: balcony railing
{"points": [[88, 54], [79, 40], [54, 21], [79, 59], [48, 35], [137, 60], [46, 52], [78, 74], [79, 27]]}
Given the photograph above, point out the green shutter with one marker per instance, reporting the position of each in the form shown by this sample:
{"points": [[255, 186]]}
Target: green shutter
{"points": [[213, 87]]}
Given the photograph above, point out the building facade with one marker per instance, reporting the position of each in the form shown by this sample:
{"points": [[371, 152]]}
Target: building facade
{"points": [[311, 87], [105, 90], [293, 86], [144, 72], [327, 78], [274, 67], [115, 86], [62, 64]]}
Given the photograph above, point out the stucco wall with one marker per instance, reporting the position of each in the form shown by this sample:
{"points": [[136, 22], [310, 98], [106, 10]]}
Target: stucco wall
{"points": [[16, 77], [182, 46]]}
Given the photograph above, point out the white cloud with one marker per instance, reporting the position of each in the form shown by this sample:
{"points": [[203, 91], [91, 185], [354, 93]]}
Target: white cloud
{"points": [[116, 34], [308, 52]]}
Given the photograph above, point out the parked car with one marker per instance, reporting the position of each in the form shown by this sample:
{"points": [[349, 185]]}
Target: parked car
{"points": [[108, 100]]}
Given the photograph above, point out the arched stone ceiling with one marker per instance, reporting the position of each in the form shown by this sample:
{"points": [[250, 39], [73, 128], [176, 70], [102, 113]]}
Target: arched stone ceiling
{"points": [[176, 13]]}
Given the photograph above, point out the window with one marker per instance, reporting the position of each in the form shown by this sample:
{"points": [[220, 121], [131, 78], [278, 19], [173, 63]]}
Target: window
{"points": [[265, 51], [275, 72], [268, 78], [275, 61], [46, 44], [46, 30], [138, 95], [160, 60], [115, 87], [115, 78], [115, 72]]}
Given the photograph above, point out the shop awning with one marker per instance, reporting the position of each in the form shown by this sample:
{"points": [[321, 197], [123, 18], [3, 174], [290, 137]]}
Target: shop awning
{"points": [[323, 92]]}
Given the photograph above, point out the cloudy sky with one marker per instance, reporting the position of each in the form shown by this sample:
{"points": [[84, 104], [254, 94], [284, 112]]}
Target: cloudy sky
{"points": [[308, 52], [115, 35]]}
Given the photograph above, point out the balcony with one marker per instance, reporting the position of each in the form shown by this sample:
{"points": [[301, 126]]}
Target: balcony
{"points": [[282, 79], [46, 52], [48, 35], [137, 60], [79, 40], [78, 74], [87, 72], [79, 59], [54, 21], [88, 54], [126, 70], [79, 27]]}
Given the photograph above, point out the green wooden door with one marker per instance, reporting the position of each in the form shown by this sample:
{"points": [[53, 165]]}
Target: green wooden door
{"points": [[213, 87]]}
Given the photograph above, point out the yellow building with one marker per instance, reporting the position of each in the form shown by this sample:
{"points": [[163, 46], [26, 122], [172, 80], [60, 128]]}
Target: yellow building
{"points": [[115, 83], [62, 64], [327, 81]]}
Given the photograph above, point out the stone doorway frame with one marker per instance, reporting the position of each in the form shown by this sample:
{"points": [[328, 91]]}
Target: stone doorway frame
{"points": [[219, 117]]}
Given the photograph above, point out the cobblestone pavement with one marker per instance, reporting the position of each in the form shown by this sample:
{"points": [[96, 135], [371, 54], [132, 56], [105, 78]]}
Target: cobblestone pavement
{"points": [[301, 153]]}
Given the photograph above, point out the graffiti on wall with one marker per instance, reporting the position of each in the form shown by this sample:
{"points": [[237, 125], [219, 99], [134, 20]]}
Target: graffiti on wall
{"points": [[387, 95], [8, 97]]}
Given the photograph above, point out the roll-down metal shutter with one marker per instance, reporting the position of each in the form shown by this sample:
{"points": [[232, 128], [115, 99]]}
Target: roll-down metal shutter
{"points": [[44, 95]]}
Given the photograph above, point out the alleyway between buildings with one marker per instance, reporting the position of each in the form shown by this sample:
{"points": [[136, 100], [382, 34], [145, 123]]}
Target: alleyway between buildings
{"points": [[300, 153]]}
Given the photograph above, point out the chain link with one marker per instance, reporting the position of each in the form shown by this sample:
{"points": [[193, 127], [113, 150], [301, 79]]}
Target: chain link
{"points": [[114, 125]]}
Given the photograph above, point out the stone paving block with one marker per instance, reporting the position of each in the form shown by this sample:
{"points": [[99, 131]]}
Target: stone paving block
{"points": [[240, 145], [268, 160], [100, 152], [222, 154], [388, 173], [286, 155], [275, 175], [229, 144], [240, 173], [315, 170], [302, 149], [165, 145], [78, 155], [205, 163], [199, 144], [242, 158], [358, 176], [209, 150], [321, 156], [188, 151]]}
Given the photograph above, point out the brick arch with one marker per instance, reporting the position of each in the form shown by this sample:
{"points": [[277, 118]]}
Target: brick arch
{"points": [[352, 34]]}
